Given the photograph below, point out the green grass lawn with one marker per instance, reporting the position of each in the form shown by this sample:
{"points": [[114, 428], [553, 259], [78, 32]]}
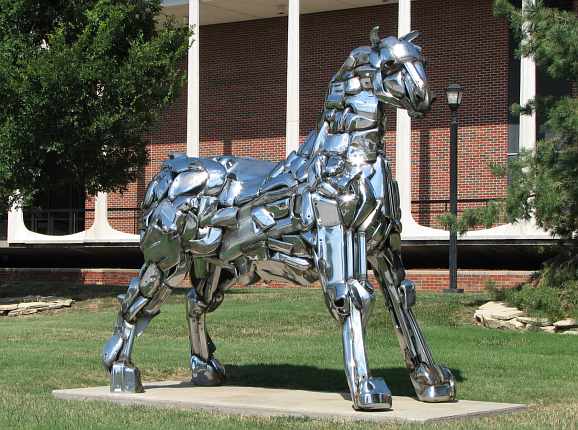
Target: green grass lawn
{"points": [[274, 338]]}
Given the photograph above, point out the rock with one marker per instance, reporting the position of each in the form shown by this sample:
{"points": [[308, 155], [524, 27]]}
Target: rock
{"points": [[571, 331], [486, 320], [499, 311], [479, 317], [65, 302], [531, 327], [548, 329], [514, 324], [18, 312], [566, 323], [495, 323], [32, 305], [55, 306], [491, 304], [540, 322]]}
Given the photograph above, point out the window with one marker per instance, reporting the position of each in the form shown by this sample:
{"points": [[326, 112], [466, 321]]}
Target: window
{"points": [[57, 212], [545, 86]]}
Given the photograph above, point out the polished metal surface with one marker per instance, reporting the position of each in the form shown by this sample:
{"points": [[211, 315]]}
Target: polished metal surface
{"points": [[322, 215]]}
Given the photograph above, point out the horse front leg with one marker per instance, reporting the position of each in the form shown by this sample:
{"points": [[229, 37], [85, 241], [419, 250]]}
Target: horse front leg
{"points": [[432, 382], [349, 298]]}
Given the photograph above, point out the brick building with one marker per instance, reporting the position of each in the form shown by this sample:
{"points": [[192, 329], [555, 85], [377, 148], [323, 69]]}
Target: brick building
{"points": [[243, 91], [249, 55]]}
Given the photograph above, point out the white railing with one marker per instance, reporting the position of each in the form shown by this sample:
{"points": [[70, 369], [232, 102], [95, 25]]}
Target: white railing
{"points": [[100, 231]]}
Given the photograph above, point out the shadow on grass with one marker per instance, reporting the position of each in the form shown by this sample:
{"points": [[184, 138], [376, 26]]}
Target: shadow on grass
{"points": [[315, 379]]}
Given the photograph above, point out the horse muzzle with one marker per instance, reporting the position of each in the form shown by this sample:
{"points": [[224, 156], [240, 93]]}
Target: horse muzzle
{"points": [[422, 102]]}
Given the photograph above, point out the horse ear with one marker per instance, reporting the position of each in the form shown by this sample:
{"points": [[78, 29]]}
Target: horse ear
{"points": [[374, 36], [410, 36]]}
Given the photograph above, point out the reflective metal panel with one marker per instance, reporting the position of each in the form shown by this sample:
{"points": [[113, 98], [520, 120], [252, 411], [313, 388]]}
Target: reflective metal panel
{"points": [[188, 182]]}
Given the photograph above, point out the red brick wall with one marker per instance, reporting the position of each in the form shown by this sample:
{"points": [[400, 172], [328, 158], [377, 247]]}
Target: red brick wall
{"points": [[463, 43], [243, 88], [425, 280], [117, 277], [471, 281], [243, 93]]}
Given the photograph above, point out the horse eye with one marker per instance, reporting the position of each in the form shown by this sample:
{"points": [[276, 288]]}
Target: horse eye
{"points": [[390, 67]]}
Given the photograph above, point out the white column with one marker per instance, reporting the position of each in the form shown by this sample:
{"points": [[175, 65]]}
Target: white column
{"points": [[411, 229], [403, 131], [16, 226], [292, 129], [193, 83], [101, 230], [527, 92], [100, 225]]}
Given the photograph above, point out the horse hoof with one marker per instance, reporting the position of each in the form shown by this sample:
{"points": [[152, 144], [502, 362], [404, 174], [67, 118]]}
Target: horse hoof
{"points": [[125, 378], [374, 395], [434, 384], [207, 373]]}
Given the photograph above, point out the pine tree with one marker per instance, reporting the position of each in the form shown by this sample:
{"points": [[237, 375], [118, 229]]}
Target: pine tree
{"points": [[544, 183]]}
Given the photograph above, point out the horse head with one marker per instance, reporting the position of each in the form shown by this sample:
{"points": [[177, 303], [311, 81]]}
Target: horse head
{"points": [[400, 79]]}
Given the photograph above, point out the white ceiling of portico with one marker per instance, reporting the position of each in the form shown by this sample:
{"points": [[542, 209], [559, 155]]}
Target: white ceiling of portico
{"points": [[221, 11]]}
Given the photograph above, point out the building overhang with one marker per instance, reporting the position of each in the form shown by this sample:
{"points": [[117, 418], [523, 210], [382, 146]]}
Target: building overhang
{"points": [[224, 11], [518, 254]]}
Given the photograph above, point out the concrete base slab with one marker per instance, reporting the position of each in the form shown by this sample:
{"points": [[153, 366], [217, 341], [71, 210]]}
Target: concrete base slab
{"points": [[255, 401]]}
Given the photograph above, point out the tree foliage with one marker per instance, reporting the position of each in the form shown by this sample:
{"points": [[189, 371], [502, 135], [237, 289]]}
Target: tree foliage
{"points": [[543, 183], [80, 82]]}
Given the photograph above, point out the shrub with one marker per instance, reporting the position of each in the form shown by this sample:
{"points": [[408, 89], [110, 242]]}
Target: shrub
{"points": [[554, 294], [496, 294]]}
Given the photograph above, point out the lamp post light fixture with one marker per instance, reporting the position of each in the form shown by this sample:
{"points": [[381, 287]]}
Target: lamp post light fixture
{"points": [[454, 95]]}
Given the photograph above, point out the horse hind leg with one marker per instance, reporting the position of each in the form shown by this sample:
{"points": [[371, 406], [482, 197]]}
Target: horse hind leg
{"points": [[166, 265], [432, 382], [139, 306], [204, 297]]}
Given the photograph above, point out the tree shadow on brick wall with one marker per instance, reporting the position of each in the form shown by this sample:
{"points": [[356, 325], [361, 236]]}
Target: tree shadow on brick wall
{"points": [[227, 145], [141, 186], [424, 184]]}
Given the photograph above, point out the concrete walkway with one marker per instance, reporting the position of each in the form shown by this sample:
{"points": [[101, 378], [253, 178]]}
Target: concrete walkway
{"points": [[253, 401]]}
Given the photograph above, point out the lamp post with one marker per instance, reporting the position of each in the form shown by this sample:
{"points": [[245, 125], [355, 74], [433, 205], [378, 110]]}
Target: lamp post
{"points": [[454, 96]]}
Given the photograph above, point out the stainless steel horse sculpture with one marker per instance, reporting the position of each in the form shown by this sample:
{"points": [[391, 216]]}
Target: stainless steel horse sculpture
{"points": [[327, 213]]}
